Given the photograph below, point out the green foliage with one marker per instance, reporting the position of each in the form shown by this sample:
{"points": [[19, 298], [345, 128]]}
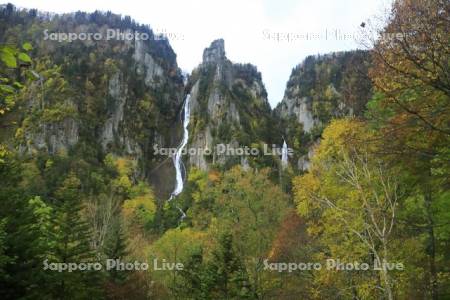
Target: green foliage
{"points": [[13, 65], [174, 246], [230, 278], [349, 199], [72, 238], [244, 203], [4, 259], [334, 85], [222, 277], [141, 208], [93, 202]]}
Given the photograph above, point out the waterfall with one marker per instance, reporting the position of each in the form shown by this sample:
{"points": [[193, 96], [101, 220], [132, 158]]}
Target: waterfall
{"points": [[284, 155], [177, 161]]}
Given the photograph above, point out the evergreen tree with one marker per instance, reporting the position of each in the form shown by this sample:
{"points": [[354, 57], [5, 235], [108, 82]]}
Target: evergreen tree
{"points": [[72, 238], [115, 248], [25, 236], [230, 278], [223, 277], [194, 284]]}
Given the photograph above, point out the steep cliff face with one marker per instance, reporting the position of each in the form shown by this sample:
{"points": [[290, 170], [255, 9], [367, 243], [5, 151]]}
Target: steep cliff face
{"points": [[119, 96], [319, 89], [228, 105], [323, 87], [118, 131], [124, 97]]}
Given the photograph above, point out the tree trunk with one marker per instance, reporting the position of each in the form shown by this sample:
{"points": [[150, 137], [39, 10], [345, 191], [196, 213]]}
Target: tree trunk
{"points": [[431, 247], [387, 280]]}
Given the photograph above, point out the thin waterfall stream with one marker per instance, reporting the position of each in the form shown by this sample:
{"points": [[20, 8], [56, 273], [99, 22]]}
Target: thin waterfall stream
{"points": [[177, 161], [284, 155]]}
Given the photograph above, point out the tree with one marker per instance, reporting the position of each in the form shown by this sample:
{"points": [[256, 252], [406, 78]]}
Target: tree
{"points": [[291, 244], [72, 244], [412, 110], [175, 246], [223, 276], [12, 62], [26, 235], [140, 210], [230, 278], [4, 259], [194, 282], [411, 56], [350, 198], [250, 206]]}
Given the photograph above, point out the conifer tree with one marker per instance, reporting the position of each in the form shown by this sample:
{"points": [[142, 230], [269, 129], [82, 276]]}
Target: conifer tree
{"points": [[230, 278], [72, 238]]}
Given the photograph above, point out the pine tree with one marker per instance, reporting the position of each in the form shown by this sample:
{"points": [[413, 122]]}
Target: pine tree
{"points": [[25, 238], [223, 277], [230, 276], [115, 248], [194, 283], [72, 238]]}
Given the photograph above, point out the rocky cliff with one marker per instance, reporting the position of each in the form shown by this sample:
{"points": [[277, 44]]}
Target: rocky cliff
{"points": [[228, 105], [319, 89], [118, 96], [124, 97]]}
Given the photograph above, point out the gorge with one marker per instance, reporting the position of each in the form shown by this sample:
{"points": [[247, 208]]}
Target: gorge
{"points": [[96, 164]]}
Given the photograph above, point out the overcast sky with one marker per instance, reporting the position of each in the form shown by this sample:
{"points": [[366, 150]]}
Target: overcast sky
{"points": [[248, 27]]}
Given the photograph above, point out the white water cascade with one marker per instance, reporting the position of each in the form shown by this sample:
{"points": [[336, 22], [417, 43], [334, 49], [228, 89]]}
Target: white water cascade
{"points": [[284, 155], [177, 161], [177, 158]]}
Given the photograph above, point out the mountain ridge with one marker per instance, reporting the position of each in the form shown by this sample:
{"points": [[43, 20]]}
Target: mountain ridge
{"points": [[140, 81]]}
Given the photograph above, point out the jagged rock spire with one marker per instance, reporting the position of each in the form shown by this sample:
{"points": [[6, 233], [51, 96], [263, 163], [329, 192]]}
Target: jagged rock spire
{"points": [[215, 52]]}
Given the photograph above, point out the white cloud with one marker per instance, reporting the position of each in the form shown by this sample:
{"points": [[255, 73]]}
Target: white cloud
{"points": [[241, 24]]}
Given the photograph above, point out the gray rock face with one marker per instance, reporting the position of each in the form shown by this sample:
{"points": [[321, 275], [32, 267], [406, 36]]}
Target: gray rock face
{"points": [[53, 138], [118, 93], [114, 135], [194, 95], [301, 108], [233, 113], [63, 135], [327, 86], [304, 162], [220, 102], [202, 141], [145, 64], [154, 73], [216, 104], [294, 104], [115, 131], [215, 53]]}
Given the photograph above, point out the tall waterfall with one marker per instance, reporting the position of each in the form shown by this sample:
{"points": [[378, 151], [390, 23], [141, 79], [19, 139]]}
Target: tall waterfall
{"points": [[284, 155], [178, 163]]}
